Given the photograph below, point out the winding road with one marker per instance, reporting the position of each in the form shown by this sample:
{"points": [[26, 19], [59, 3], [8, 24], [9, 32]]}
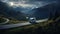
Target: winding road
{"points": [[18, 24], [7, 20]]}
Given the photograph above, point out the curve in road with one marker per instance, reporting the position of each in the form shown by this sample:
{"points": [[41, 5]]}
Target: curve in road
{"points": [[7, 20], [18, 25]]}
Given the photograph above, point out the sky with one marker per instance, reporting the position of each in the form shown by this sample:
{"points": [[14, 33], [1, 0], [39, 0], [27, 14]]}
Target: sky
{"points": [[27, 5]]}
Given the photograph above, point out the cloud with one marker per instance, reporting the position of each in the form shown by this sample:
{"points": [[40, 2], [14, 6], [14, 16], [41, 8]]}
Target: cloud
{"points": [[25, 6], [29, 0], [25, 3]]}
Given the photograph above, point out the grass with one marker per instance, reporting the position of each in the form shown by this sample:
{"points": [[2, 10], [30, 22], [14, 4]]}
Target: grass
{"points": [[11, 20], [15, 21], [2, 20], [47, 26]]}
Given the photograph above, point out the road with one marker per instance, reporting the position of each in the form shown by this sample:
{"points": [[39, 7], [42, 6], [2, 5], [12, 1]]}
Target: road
{"points": [[18, 24], [7, 20]]}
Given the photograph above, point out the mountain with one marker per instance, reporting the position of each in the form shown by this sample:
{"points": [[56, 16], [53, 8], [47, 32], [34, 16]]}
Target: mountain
{"points": [[44, 12], [7, 11], [39, 13]]}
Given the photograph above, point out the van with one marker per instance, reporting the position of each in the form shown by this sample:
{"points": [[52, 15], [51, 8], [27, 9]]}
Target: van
{"points": [[32, 20]]}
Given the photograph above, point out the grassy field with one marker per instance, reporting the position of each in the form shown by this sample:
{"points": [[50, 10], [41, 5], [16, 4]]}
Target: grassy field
{"points": [[16, 21], [2, 20], [11, 20]]}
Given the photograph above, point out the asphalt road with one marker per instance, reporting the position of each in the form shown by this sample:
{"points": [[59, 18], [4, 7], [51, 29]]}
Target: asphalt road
{"points": [[7, 20], [18, 24]]}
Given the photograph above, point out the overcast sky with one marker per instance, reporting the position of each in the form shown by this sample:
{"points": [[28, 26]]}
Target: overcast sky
{"points": [[27, 4]]}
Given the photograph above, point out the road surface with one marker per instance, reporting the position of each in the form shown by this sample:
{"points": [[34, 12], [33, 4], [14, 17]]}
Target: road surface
{"points": [[7, 20], [18, 24]]}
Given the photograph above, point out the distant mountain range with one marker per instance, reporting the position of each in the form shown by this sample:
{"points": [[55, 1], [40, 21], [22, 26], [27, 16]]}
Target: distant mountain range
{"points": [[39, 13], [44, 12], [10, 12]]}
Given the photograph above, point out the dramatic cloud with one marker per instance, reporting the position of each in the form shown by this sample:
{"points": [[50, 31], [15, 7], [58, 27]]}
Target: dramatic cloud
{"points": [[26, 5]]}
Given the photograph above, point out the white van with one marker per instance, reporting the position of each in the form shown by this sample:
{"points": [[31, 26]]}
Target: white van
{"points": [[32, 20]]}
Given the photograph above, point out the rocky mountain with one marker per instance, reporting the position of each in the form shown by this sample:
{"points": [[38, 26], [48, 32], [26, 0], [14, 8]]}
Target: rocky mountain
{"points": [[44, 12], [7, 11], [39, 13]]}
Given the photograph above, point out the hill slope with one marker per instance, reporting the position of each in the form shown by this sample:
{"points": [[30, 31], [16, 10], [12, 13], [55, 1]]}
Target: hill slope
{"points": [[44, 12], [7, 11]]}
